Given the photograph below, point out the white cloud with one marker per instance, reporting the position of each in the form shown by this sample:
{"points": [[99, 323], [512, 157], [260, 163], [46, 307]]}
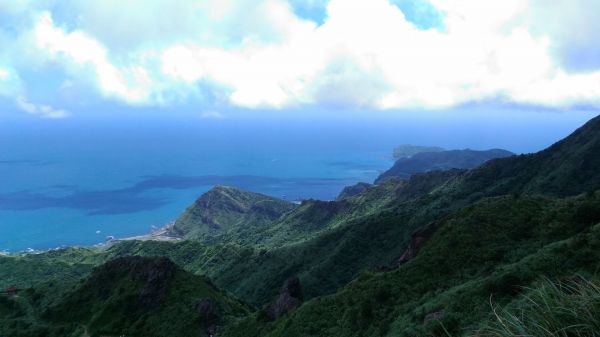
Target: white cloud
{"points": [[44, 111], [80, 50], [366, 53]]}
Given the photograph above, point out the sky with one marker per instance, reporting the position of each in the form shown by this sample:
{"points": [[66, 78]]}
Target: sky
{"points": [[214, 59]]}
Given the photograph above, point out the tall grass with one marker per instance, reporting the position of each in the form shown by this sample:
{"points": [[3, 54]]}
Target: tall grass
{"points": [[554, 309]]}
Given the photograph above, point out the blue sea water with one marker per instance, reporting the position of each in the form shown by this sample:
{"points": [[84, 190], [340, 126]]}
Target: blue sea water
{"points": [[77, 182]]}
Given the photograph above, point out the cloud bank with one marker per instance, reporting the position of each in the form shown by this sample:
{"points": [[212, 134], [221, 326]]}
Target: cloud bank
{"points": [[267, 54]]}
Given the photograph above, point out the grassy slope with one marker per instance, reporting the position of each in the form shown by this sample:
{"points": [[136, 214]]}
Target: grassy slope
{"points": [[550, 309], [226, 214]]}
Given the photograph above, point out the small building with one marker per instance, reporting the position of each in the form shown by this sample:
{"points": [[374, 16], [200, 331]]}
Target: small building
{"points": [[12, 290]]}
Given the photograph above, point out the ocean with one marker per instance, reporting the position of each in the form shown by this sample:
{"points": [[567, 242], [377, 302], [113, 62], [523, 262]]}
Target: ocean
{"points": [[76, 182]]}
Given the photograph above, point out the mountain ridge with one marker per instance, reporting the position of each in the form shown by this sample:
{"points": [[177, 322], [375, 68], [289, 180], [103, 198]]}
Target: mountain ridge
{"points": [[439, 161]]}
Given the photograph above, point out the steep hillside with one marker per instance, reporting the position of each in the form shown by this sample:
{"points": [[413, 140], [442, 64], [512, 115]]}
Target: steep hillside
{"points": [[493, 247], [313, 217], [332, 256], [439, 161], [568, 167], [228, 211]]}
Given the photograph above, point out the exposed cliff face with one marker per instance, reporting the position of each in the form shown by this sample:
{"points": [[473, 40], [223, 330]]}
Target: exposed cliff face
{"points": [[290, 297], [209, 314], [417, 241]]}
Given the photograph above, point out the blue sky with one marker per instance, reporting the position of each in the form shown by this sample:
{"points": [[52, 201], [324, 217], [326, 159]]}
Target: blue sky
{"points": [[215, 59]]}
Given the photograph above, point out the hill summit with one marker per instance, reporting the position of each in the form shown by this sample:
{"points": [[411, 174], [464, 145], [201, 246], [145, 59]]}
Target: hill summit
{"points": [[228, 210]]}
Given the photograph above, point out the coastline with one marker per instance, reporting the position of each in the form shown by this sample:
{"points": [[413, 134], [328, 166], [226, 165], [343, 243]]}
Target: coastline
{"points": [[157, 234]]}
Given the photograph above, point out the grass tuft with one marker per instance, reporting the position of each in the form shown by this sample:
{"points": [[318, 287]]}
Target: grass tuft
{"points": [[554, 309]]}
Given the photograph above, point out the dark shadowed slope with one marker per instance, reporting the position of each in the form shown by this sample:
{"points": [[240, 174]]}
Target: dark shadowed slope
{"points": [[129, 296]]}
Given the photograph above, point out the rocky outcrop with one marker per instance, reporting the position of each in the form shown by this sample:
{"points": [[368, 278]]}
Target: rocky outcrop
{"points": [[209, 314], [417, 240], [437, 315], [290, 297]]}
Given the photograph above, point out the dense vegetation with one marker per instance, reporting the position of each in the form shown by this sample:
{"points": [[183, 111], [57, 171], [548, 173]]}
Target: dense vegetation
{"points": [[414, 257], [493, 248], [130, 296]]}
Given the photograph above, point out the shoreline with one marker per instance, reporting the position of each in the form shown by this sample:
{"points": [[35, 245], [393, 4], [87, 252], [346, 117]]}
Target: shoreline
{"points": [[156, 234]]}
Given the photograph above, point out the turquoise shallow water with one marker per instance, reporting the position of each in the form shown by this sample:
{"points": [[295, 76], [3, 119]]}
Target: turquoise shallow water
{"points": [[76, 182]]}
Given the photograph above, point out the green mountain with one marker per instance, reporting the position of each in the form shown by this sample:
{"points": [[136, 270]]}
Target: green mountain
{"points": [[432, 255], [228, 212], [440, 161], [128, 296]]}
